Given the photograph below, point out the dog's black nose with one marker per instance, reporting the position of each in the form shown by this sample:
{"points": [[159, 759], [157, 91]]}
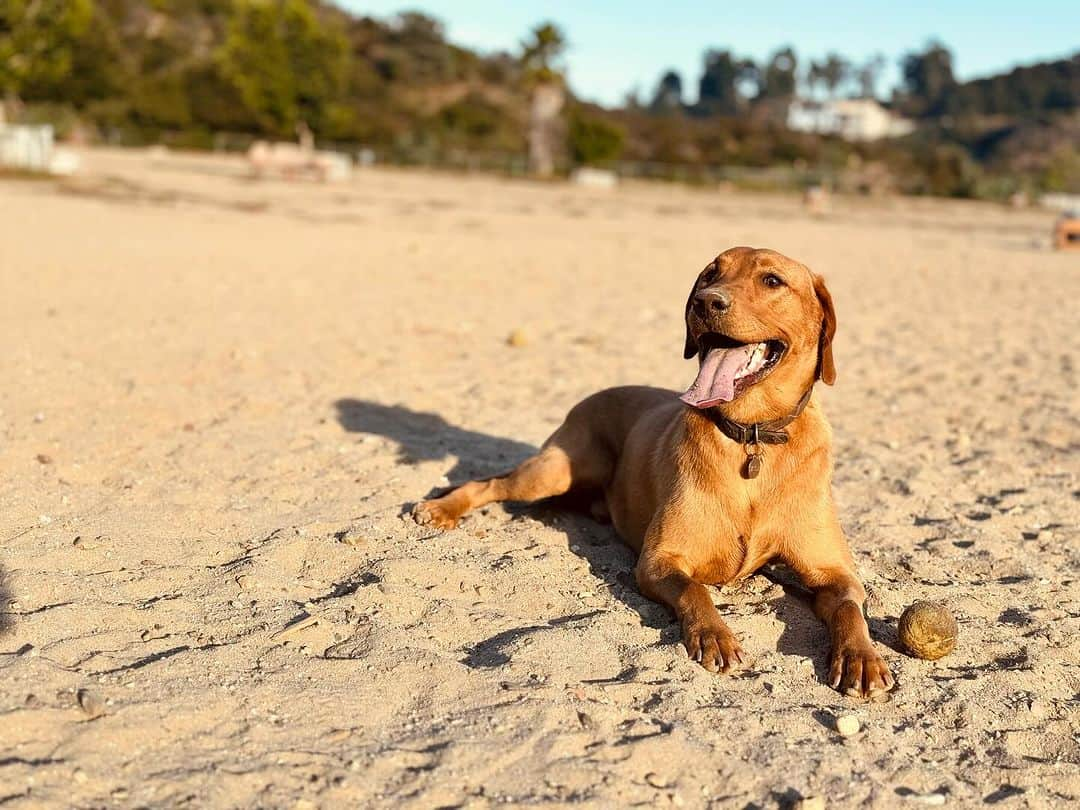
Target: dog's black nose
{"points": [[712, 298]]}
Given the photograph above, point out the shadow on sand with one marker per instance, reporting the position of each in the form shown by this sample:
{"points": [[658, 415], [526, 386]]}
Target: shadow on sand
{"points": [[804, 635], [6, 616], [428, 437]]}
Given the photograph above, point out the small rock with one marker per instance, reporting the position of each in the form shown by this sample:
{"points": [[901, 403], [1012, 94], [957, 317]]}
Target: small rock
{"points": [[92, 706], [810, 803], [80, 776], [517, 338], [352, 539], [847, 725], [44, 459], [929, 799]]}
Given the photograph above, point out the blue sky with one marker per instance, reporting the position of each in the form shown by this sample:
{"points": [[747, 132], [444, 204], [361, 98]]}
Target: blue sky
{"points": [[615, 46]]}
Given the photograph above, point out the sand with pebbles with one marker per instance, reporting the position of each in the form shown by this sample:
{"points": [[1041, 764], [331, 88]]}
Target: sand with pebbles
{"points": [[221, 396]]}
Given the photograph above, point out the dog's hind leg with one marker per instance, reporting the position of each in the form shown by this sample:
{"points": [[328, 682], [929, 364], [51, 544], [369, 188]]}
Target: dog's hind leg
{"points": [[569, 459]]}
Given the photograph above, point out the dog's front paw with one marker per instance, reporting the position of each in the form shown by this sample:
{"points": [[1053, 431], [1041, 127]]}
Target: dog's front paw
{"points": [[436, 514], [859, 671], [712, 645]]}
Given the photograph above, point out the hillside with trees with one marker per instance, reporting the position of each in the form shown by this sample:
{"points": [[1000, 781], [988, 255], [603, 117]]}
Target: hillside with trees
{"points": [[206, 73]]}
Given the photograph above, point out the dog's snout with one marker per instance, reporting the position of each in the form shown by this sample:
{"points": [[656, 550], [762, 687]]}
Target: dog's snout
{"points": [[712, 298]]}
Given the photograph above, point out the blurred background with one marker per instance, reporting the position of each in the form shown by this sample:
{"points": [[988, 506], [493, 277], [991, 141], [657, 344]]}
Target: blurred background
{"points": [[977, 100]]}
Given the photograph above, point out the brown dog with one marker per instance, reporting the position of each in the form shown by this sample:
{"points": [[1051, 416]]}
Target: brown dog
{"points": [[710, 486]]}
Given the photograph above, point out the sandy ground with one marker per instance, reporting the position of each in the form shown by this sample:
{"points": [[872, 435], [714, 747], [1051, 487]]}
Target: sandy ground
{"points": [[219, 395]]}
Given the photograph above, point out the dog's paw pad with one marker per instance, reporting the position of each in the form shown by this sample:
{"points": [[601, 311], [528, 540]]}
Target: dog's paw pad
{"points": [[859, 673], [430, 513], [716, 649]]}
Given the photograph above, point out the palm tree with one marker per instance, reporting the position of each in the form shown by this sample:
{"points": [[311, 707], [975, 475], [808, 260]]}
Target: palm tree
{"points": [[539, 55]]}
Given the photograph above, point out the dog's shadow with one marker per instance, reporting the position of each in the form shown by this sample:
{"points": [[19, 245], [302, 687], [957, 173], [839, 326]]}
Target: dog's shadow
{"points": [[429, 437]]}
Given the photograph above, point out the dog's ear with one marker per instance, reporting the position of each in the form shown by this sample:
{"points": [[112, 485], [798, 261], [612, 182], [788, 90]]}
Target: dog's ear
{"points": [[826, 371], [691, 347]]}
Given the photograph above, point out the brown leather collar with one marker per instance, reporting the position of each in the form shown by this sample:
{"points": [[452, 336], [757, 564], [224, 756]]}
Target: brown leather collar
{"points": [[770, 432]]}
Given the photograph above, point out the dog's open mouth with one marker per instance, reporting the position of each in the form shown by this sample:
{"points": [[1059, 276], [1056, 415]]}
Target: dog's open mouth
{"points": [[729, 367]]}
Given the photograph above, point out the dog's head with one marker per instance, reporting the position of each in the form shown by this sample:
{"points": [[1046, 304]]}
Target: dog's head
{"points": [[762, 327]]}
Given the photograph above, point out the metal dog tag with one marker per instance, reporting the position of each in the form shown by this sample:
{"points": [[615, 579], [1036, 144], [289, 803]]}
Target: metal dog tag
{"points": [[753, 460]]}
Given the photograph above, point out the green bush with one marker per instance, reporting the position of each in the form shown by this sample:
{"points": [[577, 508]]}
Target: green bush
{"points": [[1062, 173], [594, 140]]}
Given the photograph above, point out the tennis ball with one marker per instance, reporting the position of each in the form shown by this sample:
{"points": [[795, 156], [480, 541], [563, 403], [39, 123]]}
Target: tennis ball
{"points": [[928, 630]]}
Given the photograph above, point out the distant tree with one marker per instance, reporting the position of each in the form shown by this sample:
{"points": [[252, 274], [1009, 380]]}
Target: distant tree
{"points": [[287, 67], [417, 50], [1023, 91], [99, 69], [668, 96], [928, 80], [718, 88], [867, 75], [833, 72], [778, 78], [37, 41], [540, 53], [812, 78], [415, 27]]}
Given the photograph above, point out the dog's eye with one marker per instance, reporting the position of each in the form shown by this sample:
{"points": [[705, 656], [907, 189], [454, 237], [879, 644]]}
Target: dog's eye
{"points": [[772, 280]]}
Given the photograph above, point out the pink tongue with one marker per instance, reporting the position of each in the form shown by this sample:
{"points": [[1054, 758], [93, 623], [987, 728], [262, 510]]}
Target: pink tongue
{"points": [[716, 378]]}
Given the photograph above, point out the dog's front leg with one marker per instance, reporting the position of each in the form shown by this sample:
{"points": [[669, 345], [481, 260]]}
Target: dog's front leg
{"points": [[855, 667], [666, 578]]}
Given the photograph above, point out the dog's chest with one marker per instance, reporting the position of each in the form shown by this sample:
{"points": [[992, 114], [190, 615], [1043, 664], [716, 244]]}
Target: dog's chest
{"points": [[749, 520]]}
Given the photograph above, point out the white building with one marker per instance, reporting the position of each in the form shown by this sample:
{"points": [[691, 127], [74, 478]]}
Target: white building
{"points": [[854, 119]]}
